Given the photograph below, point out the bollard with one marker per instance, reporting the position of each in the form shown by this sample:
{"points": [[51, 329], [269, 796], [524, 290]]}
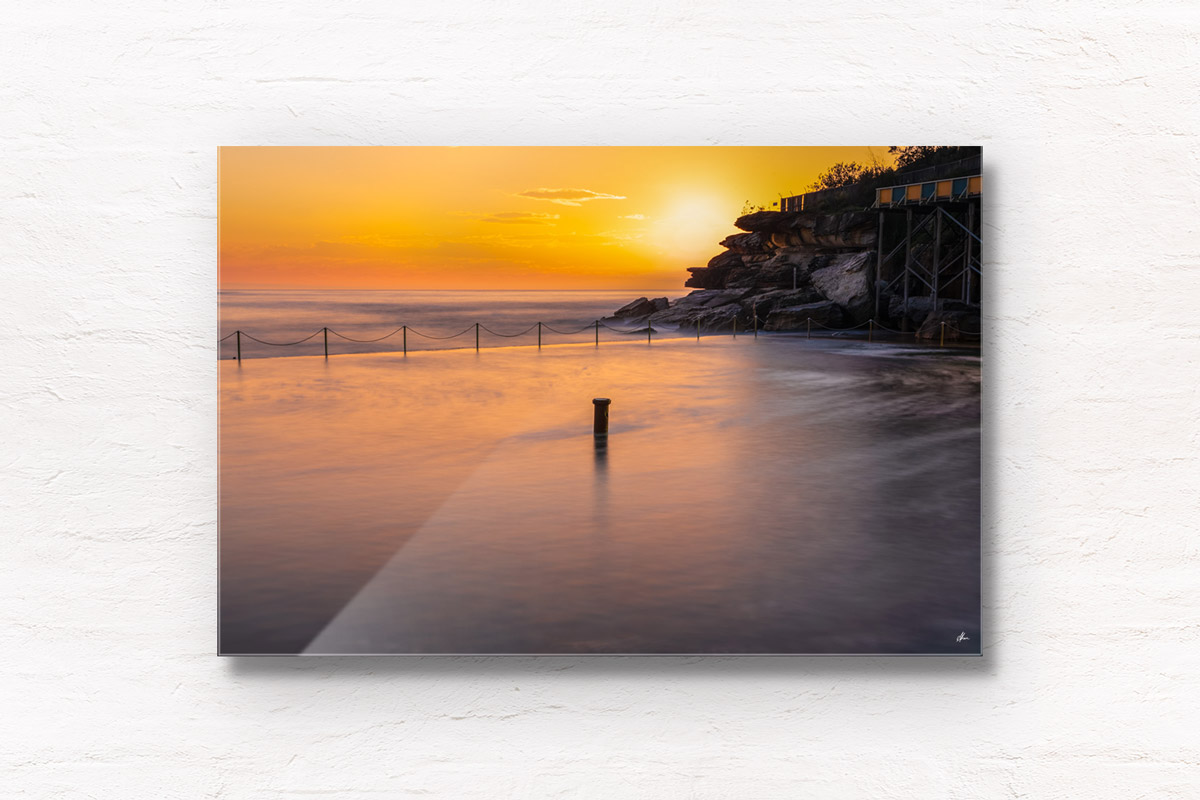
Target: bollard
{"points": [[239, 345], [597, 333], [649, 328], [756, 322], [325, 331], [735, 326], [697, 330], [405, 339], [600, 423], [871, 331], [476, 337], [809, 324], [539, 336], [943, 342]]}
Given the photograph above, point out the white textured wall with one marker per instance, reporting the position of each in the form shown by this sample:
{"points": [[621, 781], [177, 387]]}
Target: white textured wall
{"points": [[110, 115]]}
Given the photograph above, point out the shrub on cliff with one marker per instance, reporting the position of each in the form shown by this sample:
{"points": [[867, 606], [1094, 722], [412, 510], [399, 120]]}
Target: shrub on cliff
{"points": [[847, 173], [917, 156]]}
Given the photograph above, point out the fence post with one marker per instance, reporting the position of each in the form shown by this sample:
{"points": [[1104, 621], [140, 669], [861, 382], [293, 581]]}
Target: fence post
{"points": [[597, 333], [476, 337], [239, 346], [325, 331], [405, 339], [600, 417]]}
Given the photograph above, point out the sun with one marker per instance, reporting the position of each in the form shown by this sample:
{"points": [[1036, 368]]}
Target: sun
{"points": [[692, 224]]}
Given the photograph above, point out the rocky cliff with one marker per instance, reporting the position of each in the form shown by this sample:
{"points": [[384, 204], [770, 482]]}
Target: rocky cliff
{"points": [[788, 268]]}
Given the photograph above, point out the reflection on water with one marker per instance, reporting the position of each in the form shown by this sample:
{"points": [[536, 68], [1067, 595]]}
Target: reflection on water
{"points": [[777, 495]]}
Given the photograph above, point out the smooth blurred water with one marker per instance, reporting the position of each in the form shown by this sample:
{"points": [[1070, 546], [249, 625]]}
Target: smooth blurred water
{"points": [[289, 316], [776, 495]]}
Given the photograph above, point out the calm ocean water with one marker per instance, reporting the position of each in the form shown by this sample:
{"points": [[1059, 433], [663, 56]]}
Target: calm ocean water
{"points": [[288, 316], [777, 495]]}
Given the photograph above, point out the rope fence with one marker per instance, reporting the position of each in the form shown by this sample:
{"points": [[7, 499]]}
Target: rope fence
{"points": [[594, 327], [366, 341], [277, 344]]}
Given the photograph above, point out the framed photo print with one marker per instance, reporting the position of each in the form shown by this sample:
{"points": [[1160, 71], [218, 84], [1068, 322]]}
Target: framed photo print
{"points": [[600, 400]]}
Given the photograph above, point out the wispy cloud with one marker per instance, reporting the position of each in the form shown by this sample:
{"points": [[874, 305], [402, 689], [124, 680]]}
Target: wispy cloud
{"points": [[633, 216], [520, 218], [568, 197]]}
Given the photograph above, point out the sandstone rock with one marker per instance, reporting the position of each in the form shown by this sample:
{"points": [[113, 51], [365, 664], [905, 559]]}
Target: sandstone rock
{"points": [[788, 239], [848, 229], [675, 315], [788, 228], [713, 298], [754, 278], [724, 260], [745, 243], [767, 302], [962, 323], [782, 260], [721, 319], [641, 307], [687, 309], [714, 274], [847, 282], [792, 257], [795, 318], [918, 309], [767, 221]]}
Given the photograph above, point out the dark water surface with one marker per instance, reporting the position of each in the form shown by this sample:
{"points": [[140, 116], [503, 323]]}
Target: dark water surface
{"points": [[776, 495]]}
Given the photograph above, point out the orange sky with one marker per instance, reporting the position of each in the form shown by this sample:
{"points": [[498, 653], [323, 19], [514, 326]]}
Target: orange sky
{"points": [[494, 217]]}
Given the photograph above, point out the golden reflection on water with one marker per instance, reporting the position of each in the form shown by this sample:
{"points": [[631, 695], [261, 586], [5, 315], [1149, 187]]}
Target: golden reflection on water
{"points": [[457, 502]]}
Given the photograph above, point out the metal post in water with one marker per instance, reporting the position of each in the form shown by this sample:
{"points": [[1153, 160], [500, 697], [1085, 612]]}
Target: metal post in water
{"points": [[970, 247], [942, 343], [649, 328], [878, 271], [476, 337], [697, 329], [597, 333], [735, 326], [325, 331], [404, 339], [937, 252], [600, 418], [871, 331], [794, 277], [239, 346], [539, 336], [756, 321]]}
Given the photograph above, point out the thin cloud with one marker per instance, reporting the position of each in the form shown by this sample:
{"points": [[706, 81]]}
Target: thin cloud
{"points": [[520, 218], [633, 216], [568, 197]]}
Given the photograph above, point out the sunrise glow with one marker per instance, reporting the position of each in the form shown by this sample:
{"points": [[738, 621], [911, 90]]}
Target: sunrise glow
{"points": [[493, 217]]}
